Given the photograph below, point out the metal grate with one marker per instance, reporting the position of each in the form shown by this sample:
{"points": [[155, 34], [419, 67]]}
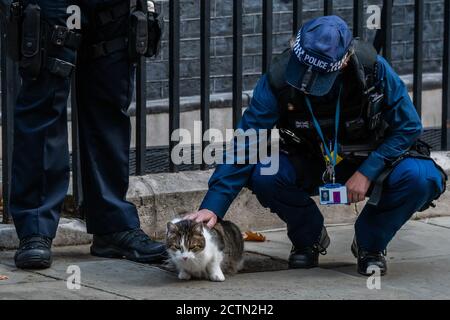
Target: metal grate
{"points": [[157, 161], [432, 136]]}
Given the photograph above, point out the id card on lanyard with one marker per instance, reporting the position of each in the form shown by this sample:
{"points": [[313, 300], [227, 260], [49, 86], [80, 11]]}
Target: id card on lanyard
{"points": [[332, 192]]}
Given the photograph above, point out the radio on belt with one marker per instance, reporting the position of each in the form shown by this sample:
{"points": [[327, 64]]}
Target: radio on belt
{"points": [[333, 194]]}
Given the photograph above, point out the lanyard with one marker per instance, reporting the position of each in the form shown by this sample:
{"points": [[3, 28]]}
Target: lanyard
{"points": [[332, 157]]}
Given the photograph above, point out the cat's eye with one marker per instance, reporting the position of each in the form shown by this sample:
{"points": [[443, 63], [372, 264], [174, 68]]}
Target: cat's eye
{"points": [[195, 248], [175, 247]]}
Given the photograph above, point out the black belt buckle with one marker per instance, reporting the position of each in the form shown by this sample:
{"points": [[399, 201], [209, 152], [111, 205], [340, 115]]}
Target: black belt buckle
{"points": [[59, 35]]}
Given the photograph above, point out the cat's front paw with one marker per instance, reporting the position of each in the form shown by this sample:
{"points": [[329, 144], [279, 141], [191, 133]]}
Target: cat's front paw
{"points": [[217, 277], [183, 275]]}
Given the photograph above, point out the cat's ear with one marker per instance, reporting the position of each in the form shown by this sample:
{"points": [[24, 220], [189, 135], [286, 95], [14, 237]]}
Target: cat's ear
{"points": [[198, 227], [171, 227]]}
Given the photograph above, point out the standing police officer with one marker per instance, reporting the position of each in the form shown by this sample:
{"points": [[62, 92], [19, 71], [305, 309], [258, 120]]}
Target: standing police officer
{"points": [[344, 117], [113, 34]]}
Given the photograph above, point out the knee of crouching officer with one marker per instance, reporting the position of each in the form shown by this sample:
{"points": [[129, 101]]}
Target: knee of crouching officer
{"points": [[411, 176], [261, 185], [268, 185]]}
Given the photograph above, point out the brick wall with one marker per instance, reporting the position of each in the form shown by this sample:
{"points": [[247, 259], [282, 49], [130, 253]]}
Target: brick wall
{"points": [[222, 46]]}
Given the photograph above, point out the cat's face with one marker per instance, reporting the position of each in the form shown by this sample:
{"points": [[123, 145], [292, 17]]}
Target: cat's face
{"points": [[185, 240]]}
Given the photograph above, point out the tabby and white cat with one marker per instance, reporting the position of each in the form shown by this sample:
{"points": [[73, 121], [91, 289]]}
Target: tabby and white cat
{"points": [[203, 253]]}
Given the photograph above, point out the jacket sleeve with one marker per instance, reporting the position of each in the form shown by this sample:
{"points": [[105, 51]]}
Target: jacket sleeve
{"points": [[404, 123], [228, 179]]}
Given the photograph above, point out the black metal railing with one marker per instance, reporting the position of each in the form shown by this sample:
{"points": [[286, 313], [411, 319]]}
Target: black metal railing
{"points": [[205, 83], [9, 91], [445, 127], [382, 42], [237, 61]]}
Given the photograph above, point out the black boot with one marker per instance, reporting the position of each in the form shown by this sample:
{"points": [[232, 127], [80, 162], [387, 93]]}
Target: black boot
{"points": [[308, 257], [133, 245], [368, 260], [34, 253]]}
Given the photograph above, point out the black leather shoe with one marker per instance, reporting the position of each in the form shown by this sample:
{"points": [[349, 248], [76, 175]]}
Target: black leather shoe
{"points": [[368, 260], [34, 253], [133, 245], [308, 257]]}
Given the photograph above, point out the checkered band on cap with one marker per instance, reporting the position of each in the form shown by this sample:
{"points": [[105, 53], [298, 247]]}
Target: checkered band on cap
{"points": [[318, 63]]}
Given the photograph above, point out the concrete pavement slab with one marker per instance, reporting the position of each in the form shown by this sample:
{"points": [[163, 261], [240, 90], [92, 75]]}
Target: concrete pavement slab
{"points": [[418, 257], [138, 281], [419, 268], [440, 221], [415, 240], [15, 276], [427, 278], [65, 255], [124, 279], [32, 285], [52, 290]]}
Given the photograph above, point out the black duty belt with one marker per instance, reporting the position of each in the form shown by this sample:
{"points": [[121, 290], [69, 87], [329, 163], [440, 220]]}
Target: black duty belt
{"points": [[105, 48], [113, 14], [377, 191]]}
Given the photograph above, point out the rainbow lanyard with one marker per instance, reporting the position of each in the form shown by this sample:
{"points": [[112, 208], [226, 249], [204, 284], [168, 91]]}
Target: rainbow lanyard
{"points": [[331, 156]]}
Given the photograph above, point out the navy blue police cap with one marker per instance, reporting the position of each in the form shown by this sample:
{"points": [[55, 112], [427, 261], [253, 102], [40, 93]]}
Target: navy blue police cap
{"points": [[318, 54]]}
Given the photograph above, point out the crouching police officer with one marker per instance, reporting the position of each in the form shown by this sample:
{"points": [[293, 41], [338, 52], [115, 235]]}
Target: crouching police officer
{"points": [[113, 34], [345, 117]]}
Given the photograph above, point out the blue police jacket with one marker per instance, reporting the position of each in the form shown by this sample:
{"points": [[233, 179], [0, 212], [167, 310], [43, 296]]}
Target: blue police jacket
{"points": [[262, 113]]}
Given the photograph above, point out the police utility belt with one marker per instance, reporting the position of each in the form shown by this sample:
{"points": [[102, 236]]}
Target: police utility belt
{"points": [[146, 27], [31, 40]]}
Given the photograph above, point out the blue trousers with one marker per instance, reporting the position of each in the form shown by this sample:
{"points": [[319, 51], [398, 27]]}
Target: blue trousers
{"points": [[40, 170], [412, 184]]}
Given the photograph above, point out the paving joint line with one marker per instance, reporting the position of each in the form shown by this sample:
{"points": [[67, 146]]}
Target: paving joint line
{"points": [[433, 224], [83, 285]]}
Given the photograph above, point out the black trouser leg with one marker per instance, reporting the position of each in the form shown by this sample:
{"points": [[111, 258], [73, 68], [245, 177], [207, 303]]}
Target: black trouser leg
{"points": [[105, 87], [40, 168]]}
